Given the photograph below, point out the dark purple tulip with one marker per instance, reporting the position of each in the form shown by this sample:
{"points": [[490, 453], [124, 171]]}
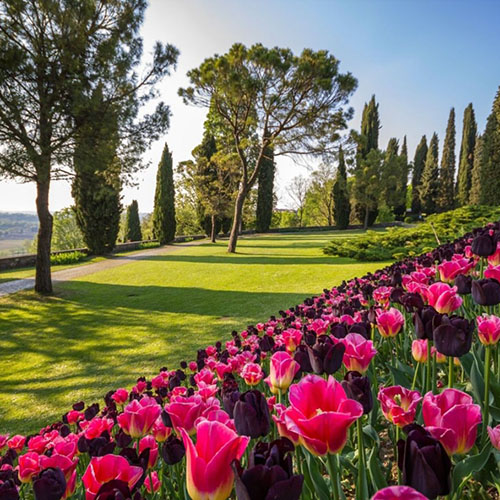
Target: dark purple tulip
{"points": [[278, 452], [114, 490], [486, 292], [122, 439], [91, 411], [325, 356], [302, 357], [173, 450], [358, 388], [50, 484], [230, 393], [362, 328], [266, 343], [251, 414], [483, 245], [8, 490], [463, 284], [396, 294], [424, 322], [424, 462], [453, 336], [412, 302], [79, 406], [266, 483]]}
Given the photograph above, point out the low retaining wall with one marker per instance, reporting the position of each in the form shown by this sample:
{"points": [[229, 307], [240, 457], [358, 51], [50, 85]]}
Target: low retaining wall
{"points": [[29, 260]]}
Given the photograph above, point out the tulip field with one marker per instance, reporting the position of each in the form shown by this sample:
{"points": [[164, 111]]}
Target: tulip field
{"points": [[384, 387]]}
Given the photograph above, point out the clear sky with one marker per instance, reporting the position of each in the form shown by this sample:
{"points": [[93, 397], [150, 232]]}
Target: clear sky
{"points": [[419, 57]]}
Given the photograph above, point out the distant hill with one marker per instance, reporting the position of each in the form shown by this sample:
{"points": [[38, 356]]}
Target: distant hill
{"points": [[18, 226]]}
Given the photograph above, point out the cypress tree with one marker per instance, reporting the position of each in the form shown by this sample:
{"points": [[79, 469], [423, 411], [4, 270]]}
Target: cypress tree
{"points": [[164, 207], [133, 223], [469, 133], [490, 157], [446, 199], [418, 168], [265, 200], [475, 185], [367, 210], [429, 187], [402, 184], [341, 205], [390, 175]]}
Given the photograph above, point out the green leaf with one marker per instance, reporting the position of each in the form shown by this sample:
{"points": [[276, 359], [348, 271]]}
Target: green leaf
{"points": [[370, 431], [376, 475], [476, 379], [400, 377], [319, 483], [470, 465]]}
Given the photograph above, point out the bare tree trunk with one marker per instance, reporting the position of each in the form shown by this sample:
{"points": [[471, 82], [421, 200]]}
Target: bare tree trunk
{"points": [[43, 281], [367, 211], [238, 212], [212, 232]]}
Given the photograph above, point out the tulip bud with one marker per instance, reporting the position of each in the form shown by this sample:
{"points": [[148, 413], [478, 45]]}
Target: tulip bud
{"points": [[488, 329], [398, 493], [50, 484], [173, 450], [494, 434], [483, 245], [463, 284], [424, 462], [357, 387], [325, 356], [8, 490], [251, 414], [486, 292], [453, 336]]}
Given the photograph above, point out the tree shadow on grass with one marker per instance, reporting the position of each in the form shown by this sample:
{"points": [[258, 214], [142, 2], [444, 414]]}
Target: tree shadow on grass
{"points": [[92, 338]]}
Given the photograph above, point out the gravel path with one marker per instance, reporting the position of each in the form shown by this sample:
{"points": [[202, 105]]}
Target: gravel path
{"points": [[76, 272]]}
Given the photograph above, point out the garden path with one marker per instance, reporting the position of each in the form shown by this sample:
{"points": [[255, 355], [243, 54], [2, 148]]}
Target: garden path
{"points": [[76, 272]]}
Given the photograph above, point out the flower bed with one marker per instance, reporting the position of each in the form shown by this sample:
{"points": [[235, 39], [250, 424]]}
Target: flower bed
{"points": [[387, 386]]}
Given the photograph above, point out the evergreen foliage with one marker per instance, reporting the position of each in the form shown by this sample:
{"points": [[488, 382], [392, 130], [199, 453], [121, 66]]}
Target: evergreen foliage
{"points": [[133, 223], [446, 199], [418, 168], [341, 204], [490, 157], [475, 186], [164, 224], [390, 176], [402, 182], [265, 199], [429, 187], [469, 133]]}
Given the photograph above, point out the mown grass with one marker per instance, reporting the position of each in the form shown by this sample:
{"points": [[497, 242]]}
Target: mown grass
{"points": [[102, 331]]}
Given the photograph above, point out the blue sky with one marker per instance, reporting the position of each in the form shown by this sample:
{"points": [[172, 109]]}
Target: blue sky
{"points": [[419, 57]]}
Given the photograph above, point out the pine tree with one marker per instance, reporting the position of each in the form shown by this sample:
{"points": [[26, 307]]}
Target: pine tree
{"points": [[164, 207], [446, 199], [265, 199], [418, 168], [469, 133], [402, 185], [490, 158], [429, 187], [133, 223], [341, 205], [367, 210], [475, 185]]}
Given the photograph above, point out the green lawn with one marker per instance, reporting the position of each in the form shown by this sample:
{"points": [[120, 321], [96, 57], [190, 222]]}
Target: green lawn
{"points": [[103, 331]]}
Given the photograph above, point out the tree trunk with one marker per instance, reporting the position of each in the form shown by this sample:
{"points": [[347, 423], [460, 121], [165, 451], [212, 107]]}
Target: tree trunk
{"points": [[212, 232], [367, 211], [238, 212], [43, 280]]}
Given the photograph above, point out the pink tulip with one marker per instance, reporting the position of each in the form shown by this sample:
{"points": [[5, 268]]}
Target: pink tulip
{"points": [[494, 433], [282, 370], [102, 470], [320, 413], [3, 441], [399, 405], [120, 396], [95, 427], [382, 294], [149, 442], [28, 466], [452, 418], [419, 350], [209, 475], [16, 443], [494, 260], [398, 493], [488, 329], [450, 269], [292, 338], [252, 374], [358, 352], [279, 420], [160, 431], [38, 443], [389, 322], [443, 297], [156, 483], [185, 411], [492, 272], [74, 416], [138, 417]]}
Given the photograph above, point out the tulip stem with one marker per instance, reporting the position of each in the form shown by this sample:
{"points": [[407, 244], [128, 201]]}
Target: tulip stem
{"points": [[434, 375], [362, 482], [486, 409], [396, 452], [333, 470], [450, 372], [415, 377], [428, 367]]}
